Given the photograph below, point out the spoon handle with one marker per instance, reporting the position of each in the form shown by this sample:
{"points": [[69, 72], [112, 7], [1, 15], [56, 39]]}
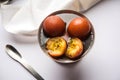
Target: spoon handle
{"points": [[30, 69]]}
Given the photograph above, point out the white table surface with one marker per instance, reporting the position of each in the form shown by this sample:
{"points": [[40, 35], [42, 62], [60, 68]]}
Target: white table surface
{"points": [[101, 63]]}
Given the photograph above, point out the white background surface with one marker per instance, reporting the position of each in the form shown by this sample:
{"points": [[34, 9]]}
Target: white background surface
{"points": [[101, 63]]}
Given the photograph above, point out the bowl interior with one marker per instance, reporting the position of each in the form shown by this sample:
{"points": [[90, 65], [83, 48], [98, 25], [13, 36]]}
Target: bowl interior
{"points": [[67, 16]]}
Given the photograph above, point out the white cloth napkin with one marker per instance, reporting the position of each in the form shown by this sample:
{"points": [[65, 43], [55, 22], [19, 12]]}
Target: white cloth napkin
{"points": [[25, 19]]}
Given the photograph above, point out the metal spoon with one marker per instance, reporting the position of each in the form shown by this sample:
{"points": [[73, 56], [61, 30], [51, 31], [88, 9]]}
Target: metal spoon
{"points": [[14, 54]]}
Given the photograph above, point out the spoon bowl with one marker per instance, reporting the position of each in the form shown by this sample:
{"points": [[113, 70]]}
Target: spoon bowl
{"points": [[12, 51]]}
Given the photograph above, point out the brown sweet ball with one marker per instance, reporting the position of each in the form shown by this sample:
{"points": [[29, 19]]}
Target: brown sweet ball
{"points": [[54, 26], [79, 27]]}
